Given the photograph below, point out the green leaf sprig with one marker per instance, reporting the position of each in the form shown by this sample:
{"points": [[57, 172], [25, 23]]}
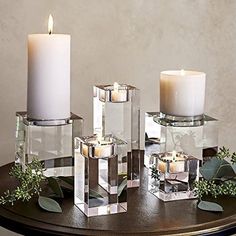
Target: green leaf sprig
{"points": [[211, 188], [219, 179], [154, 173], [29, 183]]}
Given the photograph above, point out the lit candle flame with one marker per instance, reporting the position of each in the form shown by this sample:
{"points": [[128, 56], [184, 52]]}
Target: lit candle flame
{"points": [[174, 155], [182, 72], [50, 24], [116, 86]]}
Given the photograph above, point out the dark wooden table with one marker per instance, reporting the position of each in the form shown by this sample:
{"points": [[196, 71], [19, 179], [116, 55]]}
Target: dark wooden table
{"points": [[146, 216]]}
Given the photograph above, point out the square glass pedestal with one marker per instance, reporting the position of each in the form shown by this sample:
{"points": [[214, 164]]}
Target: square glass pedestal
{"points": [[117, 112], [106, 193], [197, 138], [49, 141], [172, 175]]}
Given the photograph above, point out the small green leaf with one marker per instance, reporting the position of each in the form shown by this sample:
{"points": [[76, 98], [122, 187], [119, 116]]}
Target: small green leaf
{"points": [[68, 180], [210, 206], [54, 185], [121, 187], [234, 167], [216, 168], [94, 194], [49, 204]]}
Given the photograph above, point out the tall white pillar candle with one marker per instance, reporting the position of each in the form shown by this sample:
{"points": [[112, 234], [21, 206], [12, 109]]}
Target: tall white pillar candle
{"points": [[48, 95], [182, 93]]}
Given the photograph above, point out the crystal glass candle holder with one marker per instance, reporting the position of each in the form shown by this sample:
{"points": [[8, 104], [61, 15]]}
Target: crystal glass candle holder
{"points": [[197, 139], [117, 112], [50, 141], [100, 175], [172, 176]]}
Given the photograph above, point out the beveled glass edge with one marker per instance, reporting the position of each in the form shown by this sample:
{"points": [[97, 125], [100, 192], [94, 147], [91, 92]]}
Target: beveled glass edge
{"points": [[159, 119], [186, 156], [107, 93], [109, 137], [110, 87], [87, 148], [56, 122]]}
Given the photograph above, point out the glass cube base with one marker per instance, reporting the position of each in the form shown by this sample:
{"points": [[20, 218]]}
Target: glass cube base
{"points": [[174, 196], [100, 175], [172, 176], [102, 210], [49, 141], [199, 140]]}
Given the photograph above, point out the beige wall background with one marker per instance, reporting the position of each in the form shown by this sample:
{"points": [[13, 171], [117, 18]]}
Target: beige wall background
{"points": [[128, 41]]}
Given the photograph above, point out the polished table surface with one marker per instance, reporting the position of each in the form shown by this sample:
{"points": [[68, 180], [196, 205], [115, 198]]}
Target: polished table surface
{"points": [[146, 215]]}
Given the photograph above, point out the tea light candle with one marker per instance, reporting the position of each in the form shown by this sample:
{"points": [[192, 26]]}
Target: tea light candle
{"points": [[182, 93], [102, 148], [118, 95], [176, 163], [48, 95]]}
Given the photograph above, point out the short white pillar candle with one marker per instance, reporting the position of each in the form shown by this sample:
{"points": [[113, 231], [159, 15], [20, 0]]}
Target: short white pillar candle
{"points": [[48, 95], [182, 93]]}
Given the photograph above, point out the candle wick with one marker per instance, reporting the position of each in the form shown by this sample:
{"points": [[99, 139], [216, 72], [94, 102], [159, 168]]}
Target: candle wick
{"points": [[50, 32]]}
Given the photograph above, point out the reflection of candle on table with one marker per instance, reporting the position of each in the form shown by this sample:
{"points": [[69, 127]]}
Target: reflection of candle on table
{"points": [[48, 75], [182, 93], [118, 95]]}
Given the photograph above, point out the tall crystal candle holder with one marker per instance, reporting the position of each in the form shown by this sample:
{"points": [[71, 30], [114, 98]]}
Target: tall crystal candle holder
{"points": [[106, 157], [117, 112], [50, 141], [172, 176]]}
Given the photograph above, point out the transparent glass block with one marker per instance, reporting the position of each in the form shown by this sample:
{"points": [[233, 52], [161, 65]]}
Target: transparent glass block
{"points": [[106, 193], [117, 112], [177, 173], [49, 141], [197, 139]]}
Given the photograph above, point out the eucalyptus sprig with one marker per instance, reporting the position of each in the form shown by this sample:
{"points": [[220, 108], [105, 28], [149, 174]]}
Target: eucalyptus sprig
{"points": [[30, 179], [225, 153], [206, 188], [29, 183], [219, 178]]}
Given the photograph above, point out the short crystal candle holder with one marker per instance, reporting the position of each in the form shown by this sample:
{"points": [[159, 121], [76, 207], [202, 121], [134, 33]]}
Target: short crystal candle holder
{"points": [[117, 111], [100, 185], [50, 141], [172, 176], [198, 139]]}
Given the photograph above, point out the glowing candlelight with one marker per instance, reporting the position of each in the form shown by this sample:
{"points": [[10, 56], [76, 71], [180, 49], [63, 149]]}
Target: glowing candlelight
{"points": [[182, 72], [50, 24], [118, 95]]}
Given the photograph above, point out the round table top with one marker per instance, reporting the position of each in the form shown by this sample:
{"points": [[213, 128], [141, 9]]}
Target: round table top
{"points": [[147, 215]]}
